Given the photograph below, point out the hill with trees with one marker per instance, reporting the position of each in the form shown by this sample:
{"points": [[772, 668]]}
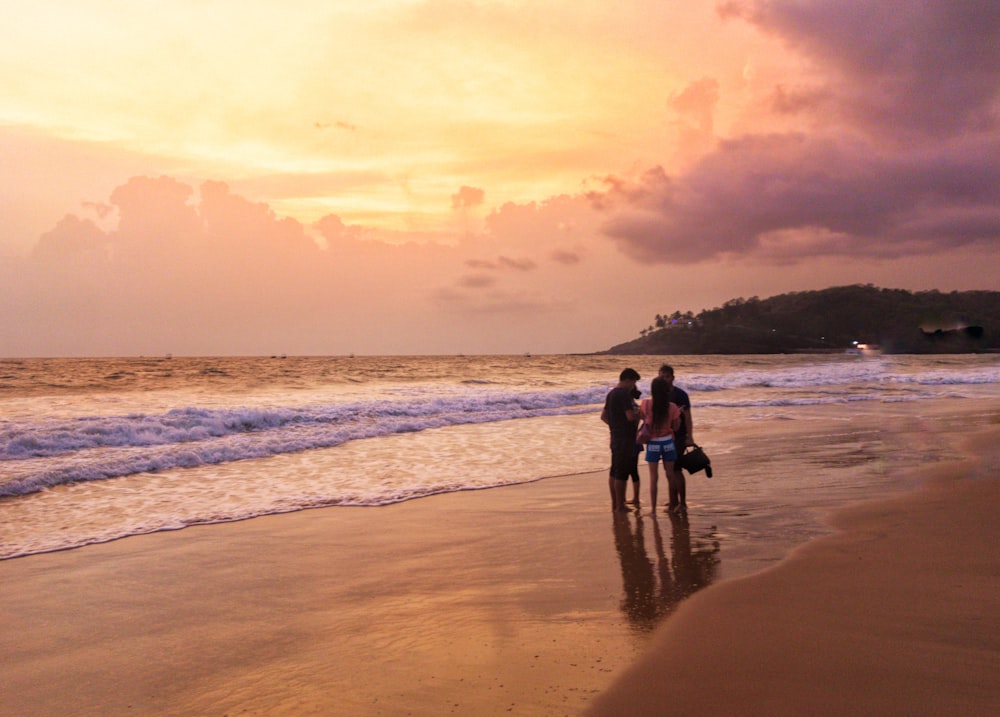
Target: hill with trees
{"points": [[835, 319]]}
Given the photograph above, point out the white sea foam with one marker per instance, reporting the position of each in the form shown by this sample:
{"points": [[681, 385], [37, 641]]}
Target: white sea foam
{"points": [[97, 447], [177, 440]]}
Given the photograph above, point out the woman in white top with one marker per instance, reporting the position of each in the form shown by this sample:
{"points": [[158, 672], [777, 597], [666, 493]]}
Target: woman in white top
{"points": [[663, 418]]}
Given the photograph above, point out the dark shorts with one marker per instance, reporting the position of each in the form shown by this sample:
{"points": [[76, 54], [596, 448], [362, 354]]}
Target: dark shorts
{"points": [[622, 459]]}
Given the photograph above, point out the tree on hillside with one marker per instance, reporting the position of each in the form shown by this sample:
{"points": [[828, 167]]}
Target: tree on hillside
{"points": [[832, 319]]}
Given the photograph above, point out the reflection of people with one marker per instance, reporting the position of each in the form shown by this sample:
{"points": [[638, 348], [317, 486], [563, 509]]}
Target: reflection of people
{"points": [[639, 594], [663, 418], [694, 567], [622, 417], [651, 591], [683, 437]]}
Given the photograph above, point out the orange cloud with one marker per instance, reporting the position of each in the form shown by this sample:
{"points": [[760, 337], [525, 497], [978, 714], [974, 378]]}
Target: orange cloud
{"points": [[467, 198]]}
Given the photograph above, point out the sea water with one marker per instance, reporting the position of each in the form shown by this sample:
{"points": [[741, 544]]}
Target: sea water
{"points": [[93, 450]]}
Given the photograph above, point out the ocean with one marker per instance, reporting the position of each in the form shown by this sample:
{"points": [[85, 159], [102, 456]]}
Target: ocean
{"points": [[93, 450]]}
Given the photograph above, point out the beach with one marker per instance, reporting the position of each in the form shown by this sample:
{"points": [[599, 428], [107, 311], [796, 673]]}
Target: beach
{"points": [[898, 613], [530, 599]]}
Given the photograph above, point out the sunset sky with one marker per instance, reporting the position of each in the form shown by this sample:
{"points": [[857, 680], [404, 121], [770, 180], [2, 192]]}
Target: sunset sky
{"points": [[494, 176]]}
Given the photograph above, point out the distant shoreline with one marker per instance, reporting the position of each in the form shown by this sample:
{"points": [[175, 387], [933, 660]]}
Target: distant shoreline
{"points": [[834, 320]]}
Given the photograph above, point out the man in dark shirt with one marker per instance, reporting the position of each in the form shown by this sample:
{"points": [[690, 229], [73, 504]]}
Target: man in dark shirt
{"points": [[622, 416], [683, 437]]}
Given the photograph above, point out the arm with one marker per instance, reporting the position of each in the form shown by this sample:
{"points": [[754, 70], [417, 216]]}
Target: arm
{"points": [[633, 415], [675, 416]]}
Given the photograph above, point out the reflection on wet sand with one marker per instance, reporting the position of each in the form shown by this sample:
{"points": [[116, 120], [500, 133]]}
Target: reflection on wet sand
{"points": [[653, 590]]}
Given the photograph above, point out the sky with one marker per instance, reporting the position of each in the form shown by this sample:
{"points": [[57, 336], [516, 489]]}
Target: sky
{"points": [[325, 177]]}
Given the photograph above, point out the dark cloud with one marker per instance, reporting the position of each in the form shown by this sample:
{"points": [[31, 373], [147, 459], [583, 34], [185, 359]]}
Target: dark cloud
{"points": [[902, 158], [811, 196], [517, 264], [568, 258], [502, 262], [926, 66]]}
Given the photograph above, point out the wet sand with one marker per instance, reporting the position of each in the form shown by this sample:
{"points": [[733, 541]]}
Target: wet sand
{"points": [[529, 600], [896, 614], [505, 601]]}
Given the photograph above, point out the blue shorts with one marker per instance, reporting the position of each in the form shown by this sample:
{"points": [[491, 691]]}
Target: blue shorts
{"points": [[661, 449]]}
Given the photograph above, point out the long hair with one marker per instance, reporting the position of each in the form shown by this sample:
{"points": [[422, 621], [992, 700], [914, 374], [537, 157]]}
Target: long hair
{"points": [[659, 391]]}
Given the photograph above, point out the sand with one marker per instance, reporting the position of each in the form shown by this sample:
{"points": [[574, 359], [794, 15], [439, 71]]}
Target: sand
{"points": [[512, 601], [897, 614], [466, 603]]}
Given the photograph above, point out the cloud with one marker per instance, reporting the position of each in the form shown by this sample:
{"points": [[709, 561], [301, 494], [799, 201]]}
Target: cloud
{"points": [[202, 270], [696, 103], [898, 154], [502, 262], [930, 67], [477, 281], [517, 264], [567, 258], [846, 195], [101, 209], [72, 238], [467, 198], [333, 229], [340, 124]]}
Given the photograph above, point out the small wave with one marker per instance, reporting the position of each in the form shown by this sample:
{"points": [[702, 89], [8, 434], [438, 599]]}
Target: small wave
{"points": [[44, 453], [51, 453]]}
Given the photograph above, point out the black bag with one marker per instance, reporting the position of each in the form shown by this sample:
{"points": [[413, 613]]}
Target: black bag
{"points": [[695, 460]]}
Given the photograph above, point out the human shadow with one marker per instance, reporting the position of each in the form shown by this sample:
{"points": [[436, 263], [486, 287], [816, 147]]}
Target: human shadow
{"points": [[652, 590]]}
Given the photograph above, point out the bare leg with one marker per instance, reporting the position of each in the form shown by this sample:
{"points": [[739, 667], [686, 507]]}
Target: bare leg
{"points": [[678, 488], [620, 488], [635, 493], [614, 494], [654, 481], [672, 487], [681, 489]]}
